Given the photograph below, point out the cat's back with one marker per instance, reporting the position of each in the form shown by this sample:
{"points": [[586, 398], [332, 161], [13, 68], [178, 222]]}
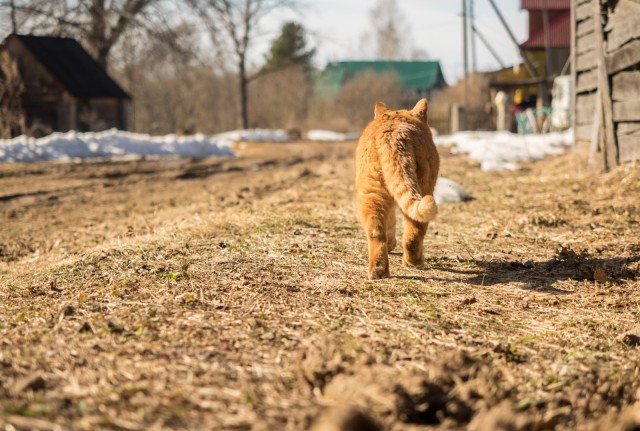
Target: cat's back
{"points": [[373, 131], [396, 129], [401, 132], [366, 148]]}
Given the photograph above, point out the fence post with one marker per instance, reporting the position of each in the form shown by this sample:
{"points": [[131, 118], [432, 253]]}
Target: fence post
{"points": [[456, 118]]}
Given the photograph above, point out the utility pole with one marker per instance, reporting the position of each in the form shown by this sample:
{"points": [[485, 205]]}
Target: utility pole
{"points": [[14, 25], [474, 63], [527, 62], [547, 41], [543, 95], [465, 49]]}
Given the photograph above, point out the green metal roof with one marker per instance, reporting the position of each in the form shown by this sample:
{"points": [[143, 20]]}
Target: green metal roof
{"points": [[412, 75]]}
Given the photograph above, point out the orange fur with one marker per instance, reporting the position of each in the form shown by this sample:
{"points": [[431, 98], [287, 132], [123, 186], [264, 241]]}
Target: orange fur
{"points": [[396, 163]]}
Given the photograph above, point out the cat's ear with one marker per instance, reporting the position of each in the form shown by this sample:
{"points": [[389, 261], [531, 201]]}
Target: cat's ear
{"points": [[379, 109], [420, 110]]}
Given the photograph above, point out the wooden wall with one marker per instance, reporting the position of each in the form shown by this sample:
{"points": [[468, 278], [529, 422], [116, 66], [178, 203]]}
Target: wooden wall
{"points": [[606, 55]]}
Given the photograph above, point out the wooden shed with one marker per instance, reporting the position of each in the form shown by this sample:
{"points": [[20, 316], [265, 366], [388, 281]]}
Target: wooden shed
{"points": [[605, 50], [63, 87]]}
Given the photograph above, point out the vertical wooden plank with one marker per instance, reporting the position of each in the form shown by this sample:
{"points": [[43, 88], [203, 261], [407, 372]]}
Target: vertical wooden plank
{"points": [[596, 151], [596, 130], [574, 108], [610, 146]]}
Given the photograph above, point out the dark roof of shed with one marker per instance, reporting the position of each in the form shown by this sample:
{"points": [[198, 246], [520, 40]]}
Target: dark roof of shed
{"points": [[72, 66]]}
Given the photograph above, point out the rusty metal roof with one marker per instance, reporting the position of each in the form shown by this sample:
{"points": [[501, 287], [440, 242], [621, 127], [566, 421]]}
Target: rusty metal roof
{"points": [[559, 34], [548, 4]]}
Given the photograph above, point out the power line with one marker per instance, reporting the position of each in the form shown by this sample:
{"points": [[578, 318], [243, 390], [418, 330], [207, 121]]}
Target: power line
{"points": [[527, 63], [465, 53], [474, 62], [485, 42], [465, 37], [14, 25]]}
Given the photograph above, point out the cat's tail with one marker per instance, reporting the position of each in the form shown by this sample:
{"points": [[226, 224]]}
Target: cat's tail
{"points": [[421, 210], [399, 172]]}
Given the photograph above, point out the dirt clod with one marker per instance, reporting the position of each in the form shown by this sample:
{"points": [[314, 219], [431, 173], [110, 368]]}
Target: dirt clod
{"points": [[631, 338], [344, 419], [32, 382]]}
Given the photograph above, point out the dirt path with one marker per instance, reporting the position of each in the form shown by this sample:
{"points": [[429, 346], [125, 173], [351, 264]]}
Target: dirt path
{"points": [[231, 294], [51, 211]]}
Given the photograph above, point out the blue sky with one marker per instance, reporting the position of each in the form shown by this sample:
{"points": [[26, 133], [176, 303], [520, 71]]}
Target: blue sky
{"points": [[435, 26]]}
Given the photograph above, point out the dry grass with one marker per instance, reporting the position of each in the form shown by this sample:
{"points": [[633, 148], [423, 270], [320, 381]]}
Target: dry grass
{"points": [[232, 294]]}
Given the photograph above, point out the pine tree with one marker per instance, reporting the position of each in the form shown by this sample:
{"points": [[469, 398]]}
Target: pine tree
{"points": [[289, 49]]}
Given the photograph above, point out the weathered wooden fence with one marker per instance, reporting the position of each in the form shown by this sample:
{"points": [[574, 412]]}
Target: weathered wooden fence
{"points": [[440, 119], [606, 57], [453, 118]]}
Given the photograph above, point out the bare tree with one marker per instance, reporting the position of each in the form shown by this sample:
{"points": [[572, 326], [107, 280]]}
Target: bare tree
{"points": [[387, 23], [172, 84], [235, 22], [98, 23], [103, 32], [391, 34], [280, 100]]}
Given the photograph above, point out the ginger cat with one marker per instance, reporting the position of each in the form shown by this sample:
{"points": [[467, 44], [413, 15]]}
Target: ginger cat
{"points": [[396, 163]]}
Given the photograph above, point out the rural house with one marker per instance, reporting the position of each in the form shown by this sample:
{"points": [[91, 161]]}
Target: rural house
{"points": [[606, 98], [63, 87], [548, 44], [416, 78], [547, 51]]}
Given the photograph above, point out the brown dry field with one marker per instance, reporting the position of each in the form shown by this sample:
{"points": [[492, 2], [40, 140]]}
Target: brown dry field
{"points": [[231, 294]]}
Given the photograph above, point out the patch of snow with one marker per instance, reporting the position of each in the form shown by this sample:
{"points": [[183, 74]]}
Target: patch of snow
{"points": [[73, 146], [502, 150], [271, 135], [328, 135], [493, 165], [449, 191]]}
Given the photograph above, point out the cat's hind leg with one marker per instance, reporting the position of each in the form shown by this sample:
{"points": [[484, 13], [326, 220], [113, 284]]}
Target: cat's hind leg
{"points": [[391, 229], [373, 215], [412, 242]]}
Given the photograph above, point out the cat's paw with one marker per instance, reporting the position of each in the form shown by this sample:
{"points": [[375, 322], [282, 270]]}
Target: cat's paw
{"points": [[391, 244], [413, 263], [378, 273]]}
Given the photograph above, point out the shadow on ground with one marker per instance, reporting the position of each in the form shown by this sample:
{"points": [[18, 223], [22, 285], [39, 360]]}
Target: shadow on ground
{"points": [[537, 275]]}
